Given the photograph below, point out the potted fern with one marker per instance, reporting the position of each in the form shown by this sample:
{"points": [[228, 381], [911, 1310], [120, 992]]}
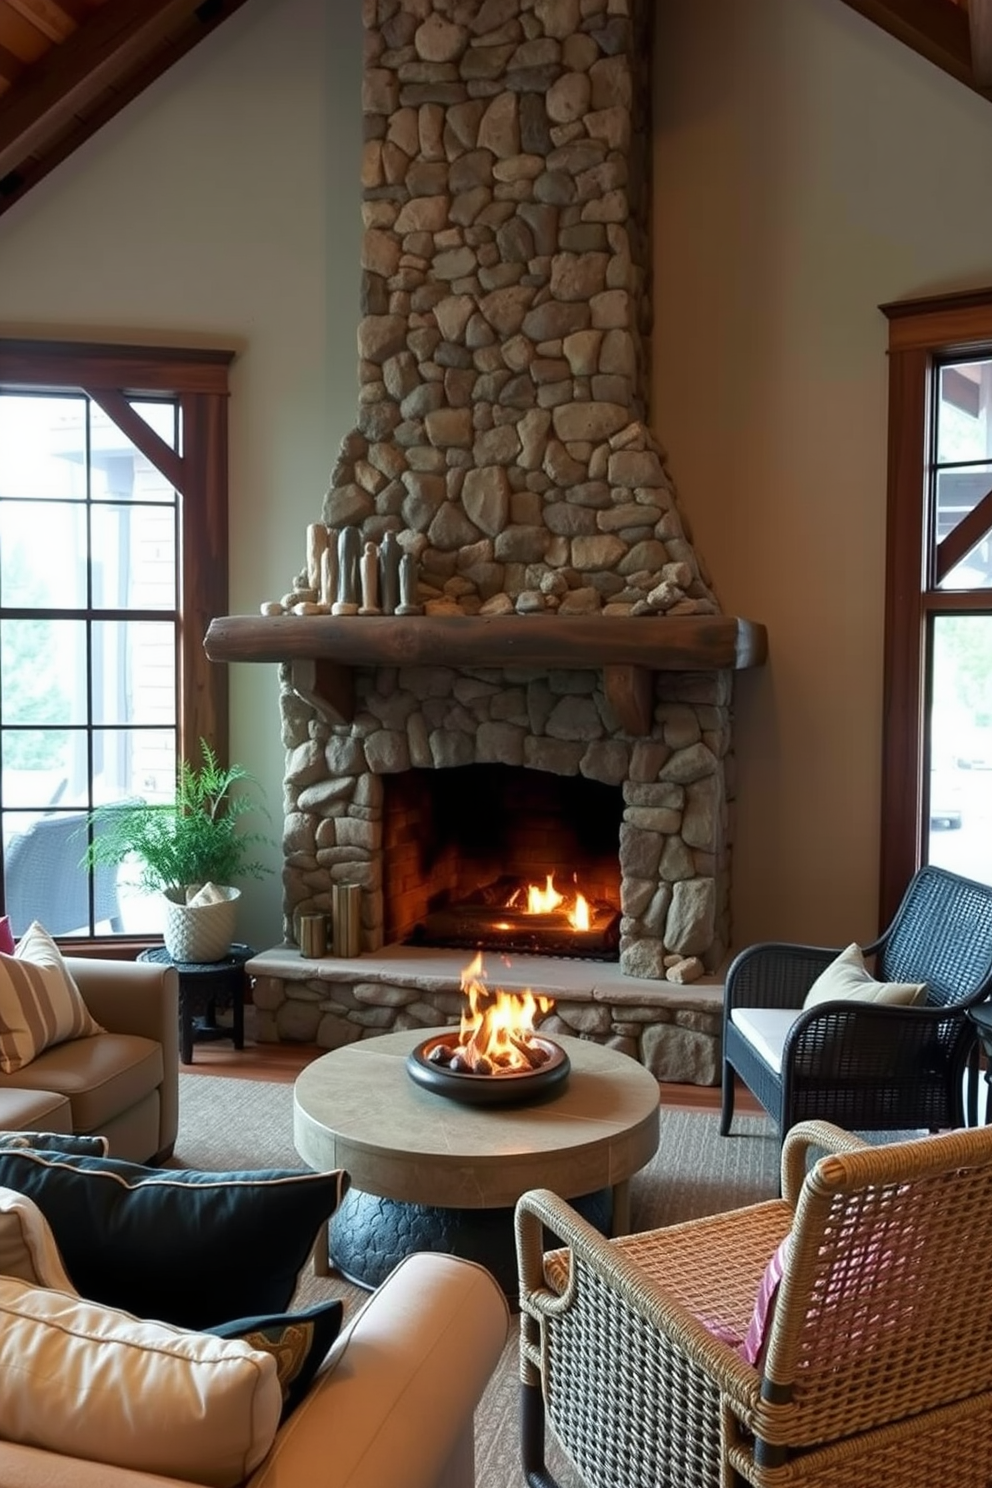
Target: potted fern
{"points": [[189, 851]]}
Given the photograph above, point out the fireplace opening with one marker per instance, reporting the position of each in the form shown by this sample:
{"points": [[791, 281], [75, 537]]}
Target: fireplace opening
{"points": [[502, 858]]}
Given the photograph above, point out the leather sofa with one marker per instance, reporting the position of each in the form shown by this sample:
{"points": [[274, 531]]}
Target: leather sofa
{"points": [[123, 1083], [392, 1405]]}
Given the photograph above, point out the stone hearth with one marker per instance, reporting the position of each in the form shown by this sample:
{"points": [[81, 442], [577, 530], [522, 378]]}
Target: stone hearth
{"points": [[673, 1030]]}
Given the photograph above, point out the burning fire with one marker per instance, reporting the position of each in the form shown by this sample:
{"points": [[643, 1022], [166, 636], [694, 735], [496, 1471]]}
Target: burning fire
{"points": [[548, 899], [496, 1035]]}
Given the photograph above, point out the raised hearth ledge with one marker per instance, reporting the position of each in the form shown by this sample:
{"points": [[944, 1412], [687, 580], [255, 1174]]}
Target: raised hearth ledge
{"points": [[324, 648], [675, 1031], [434, 969]]}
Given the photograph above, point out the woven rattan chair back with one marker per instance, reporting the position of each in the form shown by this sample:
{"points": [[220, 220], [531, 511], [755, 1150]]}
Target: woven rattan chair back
{"points": [[941, 935], [882, 1312]]}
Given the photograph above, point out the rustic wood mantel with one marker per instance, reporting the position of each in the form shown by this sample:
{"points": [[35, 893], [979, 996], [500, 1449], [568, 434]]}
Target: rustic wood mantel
{"points": [[324, 649]]}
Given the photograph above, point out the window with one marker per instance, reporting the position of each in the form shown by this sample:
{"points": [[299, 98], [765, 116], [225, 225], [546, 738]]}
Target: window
{"points": [[113, 559], [937, 728]]}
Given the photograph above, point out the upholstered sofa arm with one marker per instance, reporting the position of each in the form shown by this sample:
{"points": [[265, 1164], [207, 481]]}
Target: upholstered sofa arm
{"points": [[395, 1401], [138, 997], [130, 997]]}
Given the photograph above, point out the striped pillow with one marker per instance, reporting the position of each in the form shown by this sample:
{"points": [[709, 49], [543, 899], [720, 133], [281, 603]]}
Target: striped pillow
{"points": [[40, 1004]]}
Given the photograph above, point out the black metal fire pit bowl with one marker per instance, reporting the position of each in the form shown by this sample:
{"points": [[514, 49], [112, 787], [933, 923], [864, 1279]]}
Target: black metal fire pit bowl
{"points": [[488, 1090]]}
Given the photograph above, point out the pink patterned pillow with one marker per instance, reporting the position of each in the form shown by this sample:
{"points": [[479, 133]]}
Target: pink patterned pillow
{"points": [[758, 1329], [6, 936]]}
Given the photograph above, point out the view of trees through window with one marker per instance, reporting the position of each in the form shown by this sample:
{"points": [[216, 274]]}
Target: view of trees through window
{"points": [[113, 560], [88, 645], [88, 618], [960, 651]]}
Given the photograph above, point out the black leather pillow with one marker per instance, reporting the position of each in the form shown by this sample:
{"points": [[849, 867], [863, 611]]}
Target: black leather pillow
{"points": [[184, 1247]]}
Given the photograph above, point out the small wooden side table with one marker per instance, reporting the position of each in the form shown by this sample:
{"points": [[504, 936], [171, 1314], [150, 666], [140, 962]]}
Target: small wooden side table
{"points": [[203, 987]]}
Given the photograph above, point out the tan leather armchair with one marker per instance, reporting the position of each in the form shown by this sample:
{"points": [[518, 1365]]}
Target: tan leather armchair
{"points": [[122, 1084]]}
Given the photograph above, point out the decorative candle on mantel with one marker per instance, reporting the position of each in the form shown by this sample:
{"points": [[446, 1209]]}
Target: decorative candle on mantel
{"points": [[328, 575], [316, 547]]}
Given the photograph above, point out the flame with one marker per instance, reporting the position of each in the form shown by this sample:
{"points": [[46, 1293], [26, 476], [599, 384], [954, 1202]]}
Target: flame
{"points": [[548, 900], [497, 1027], [543, 901]]}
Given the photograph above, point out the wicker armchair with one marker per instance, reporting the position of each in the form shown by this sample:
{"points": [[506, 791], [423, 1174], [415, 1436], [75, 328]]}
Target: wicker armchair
{"points": [[878, 1360], [865, 1066]]}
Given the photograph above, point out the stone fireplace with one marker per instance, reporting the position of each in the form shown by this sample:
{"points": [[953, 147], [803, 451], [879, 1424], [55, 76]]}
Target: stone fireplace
{"points": [[568, 631]]}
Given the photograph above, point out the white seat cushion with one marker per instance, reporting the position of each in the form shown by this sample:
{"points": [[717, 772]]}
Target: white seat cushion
{"points": [[765, 1030]]}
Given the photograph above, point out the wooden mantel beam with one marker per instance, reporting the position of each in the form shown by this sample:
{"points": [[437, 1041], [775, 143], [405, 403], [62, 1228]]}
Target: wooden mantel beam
{"points": [[324, 649], [939, 30]]}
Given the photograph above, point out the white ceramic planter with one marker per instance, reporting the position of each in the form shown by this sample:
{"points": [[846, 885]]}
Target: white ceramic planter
{"points": [[200, 932]]}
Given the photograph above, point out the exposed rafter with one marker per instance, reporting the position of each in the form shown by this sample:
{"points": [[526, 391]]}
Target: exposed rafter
{"points": [[940, 30], [88, 75]]}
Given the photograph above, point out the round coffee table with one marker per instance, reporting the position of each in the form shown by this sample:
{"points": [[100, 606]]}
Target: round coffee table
{"points": [[429, 1173]]}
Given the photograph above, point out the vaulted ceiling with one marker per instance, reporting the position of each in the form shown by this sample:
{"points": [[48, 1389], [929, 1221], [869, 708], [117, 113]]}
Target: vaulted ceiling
{"points": [[67, 66]]}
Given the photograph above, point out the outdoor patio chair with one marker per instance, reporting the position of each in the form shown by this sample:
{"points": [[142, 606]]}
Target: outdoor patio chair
{"points": [[873, 1356], [864, 1065], [44, 878]]}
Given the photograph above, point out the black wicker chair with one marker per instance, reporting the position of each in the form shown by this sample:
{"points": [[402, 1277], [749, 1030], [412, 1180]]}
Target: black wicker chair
{"points": [[867, 1066]]}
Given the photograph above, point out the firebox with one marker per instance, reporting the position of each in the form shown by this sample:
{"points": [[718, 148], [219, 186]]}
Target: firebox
{"points": [[499, 857]]}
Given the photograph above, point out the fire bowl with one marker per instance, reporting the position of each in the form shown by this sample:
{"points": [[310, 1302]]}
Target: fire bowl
{"points": [[488, 1090]]}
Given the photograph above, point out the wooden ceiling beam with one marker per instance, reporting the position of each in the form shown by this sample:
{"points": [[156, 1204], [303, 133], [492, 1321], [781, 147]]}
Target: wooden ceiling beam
{"points": [[11, 67], [54, 21], [980, 28], [118, 39], [938, 30]]}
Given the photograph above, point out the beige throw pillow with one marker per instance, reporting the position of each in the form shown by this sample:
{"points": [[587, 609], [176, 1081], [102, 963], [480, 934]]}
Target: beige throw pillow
{"points": [[27, 1246], [40, 1004], [95, 1383], [847, 978]]}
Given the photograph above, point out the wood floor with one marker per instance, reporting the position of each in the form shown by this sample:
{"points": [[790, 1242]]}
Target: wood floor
{"points": [[283, 1062]]}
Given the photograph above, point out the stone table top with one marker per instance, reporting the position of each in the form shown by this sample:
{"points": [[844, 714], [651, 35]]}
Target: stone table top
{"points": [[358, 1108]]}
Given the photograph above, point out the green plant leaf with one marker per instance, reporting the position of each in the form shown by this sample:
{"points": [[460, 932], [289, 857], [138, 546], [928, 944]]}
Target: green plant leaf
{"points": [[195, 840]]}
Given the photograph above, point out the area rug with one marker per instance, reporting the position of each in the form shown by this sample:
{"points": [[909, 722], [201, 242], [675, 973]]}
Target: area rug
{"points": [[227, 1124]]}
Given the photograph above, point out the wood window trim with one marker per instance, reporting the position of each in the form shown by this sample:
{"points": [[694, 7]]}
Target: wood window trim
{"points": [[919, 331], [110, 374]]}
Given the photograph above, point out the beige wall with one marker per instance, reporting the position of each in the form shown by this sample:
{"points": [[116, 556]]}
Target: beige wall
{"points": [[807, 169]]}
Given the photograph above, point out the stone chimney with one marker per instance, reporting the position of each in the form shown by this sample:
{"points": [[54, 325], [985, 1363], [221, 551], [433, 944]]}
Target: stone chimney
{"points": [[506, 309]]}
